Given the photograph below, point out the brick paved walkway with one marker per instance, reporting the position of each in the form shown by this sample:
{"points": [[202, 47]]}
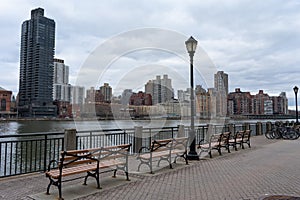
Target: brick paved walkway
{"points": [[268, 168]]}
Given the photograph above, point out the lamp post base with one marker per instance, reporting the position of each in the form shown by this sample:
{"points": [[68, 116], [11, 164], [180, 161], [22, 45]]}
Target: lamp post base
{"points": [[192, 155]]}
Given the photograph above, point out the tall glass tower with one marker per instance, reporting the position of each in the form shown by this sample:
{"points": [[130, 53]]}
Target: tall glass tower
{"points": [[36, 66]]}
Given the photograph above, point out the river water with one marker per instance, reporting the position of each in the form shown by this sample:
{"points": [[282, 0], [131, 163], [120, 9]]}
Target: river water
{"points": [[34, 126]]}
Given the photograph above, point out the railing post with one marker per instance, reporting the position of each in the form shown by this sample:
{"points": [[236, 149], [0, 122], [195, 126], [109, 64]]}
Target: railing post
{"points": [[258, 128], [268, 126], [246, 126], [91, 139], [172, 128], [138, 133], [181, 132], [70, 139], [45, 153]]}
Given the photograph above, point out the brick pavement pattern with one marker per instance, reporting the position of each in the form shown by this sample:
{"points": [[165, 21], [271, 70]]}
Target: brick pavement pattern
{"points": [[270, 167]]}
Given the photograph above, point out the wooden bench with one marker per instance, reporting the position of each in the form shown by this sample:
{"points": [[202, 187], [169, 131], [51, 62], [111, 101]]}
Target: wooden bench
{"points": [[246, 138], [236, 139], [163, 150], [89, 161], [240, 138], [216, 142], [224, 143]]}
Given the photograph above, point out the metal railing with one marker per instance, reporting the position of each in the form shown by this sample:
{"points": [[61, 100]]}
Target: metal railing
{"points": [[26, 153]]}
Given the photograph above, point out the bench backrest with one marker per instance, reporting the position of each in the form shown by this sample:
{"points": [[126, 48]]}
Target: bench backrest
{"points": [[215, 138], [78, 157], [180, 143], [161, 145], [114, 152], [225, 137], [239, 134], [247, 135]]}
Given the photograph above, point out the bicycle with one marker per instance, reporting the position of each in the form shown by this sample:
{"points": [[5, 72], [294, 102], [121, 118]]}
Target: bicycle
{"points": [[291, 133], [281, 131]]}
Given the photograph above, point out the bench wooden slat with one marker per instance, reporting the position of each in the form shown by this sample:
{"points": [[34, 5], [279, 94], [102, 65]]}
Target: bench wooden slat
{"points": [[107, 164], [155, 154], [72, 170]]}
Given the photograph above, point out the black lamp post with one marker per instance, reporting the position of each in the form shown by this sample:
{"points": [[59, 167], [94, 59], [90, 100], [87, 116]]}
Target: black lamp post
{"points": [[296, 91], [191, 45]]}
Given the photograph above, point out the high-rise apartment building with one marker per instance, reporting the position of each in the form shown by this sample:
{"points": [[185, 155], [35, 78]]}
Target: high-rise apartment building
{"points": [[203, 102], [280, 104], [240, 103], [77, 93], [36, 66], [90, 95], [184, 95], [106, 91], [61, 72], [221, 92], [243, 103], [221, 82], [61, 86], [261, 100], [160, 89], [125, 98]]}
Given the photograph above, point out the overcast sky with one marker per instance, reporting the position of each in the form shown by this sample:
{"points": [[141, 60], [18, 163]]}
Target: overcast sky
{"points": [[256, 42]]}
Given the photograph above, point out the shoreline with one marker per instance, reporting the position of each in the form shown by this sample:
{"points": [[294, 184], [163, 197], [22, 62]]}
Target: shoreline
{"points": [[249, 117]]}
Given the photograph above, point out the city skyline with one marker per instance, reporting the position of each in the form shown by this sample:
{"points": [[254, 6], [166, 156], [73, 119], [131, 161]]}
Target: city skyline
{"points": [[255, 46]]}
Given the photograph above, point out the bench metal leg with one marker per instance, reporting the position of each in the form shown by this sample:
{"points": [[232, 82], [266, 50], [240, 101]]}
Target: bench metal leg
{"points": [[148, 163], [59, 190], [183, 156], [49, 185], [115, 173], [127, 176], [98, 180], [235, 147], [228, 149], [57, 184], [95, 175]]}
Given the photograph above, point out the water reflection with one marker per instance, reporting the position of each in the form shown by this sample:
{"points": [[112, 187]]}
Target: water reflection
{"points": [[19, 127]]}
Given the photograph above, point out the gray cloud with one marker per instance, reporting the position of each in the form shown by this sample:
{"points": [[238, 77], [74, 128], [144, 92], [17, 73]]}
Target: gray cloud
{"points": [[256, 42]]}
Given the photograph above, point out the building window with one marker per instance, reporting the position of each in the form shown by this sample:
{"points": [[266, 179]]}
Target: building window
{"points": [[3, 105]]}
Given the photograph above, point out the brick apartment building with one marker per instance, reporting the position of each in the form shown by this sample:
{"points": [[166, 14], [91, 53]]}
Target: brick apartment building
{"points": [[243, 103]]}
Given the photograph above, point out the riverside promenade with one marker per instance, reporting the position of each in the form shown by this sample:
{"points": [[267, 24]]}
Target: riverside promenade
{"points": [[270, 167]]}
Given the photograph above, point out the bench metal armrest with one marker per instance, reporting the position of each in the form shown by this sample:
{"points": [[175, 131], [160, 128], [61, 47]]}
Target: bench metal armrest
{"points": [[50, 163], [147, 148], [203, 141]]}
